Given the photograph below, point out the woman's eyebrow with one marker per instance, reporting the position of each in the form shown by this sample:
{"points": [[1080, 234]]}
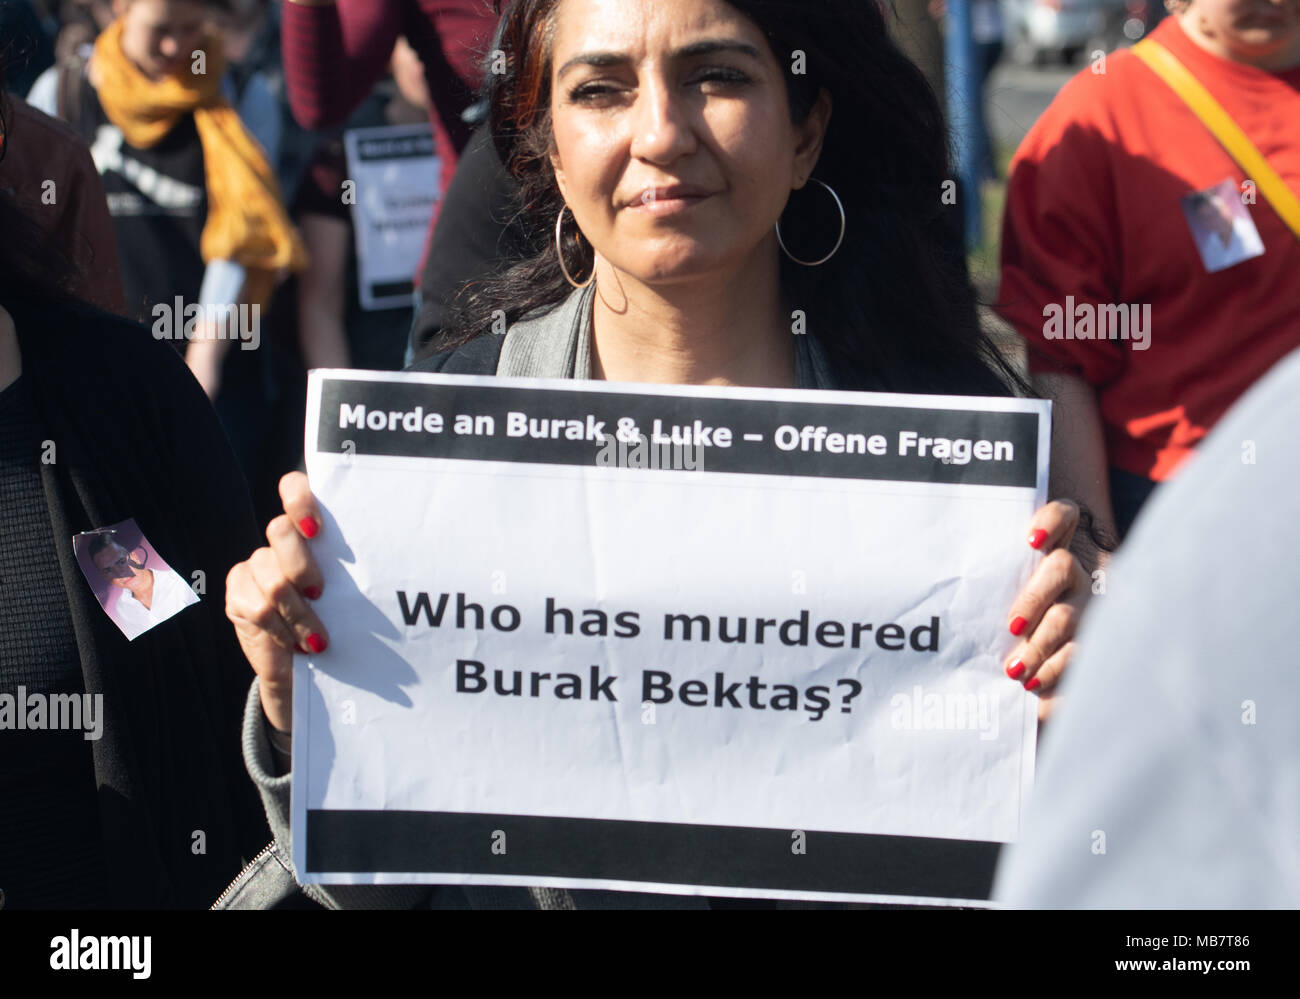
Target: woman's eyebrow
{"points": [[704, 47]]}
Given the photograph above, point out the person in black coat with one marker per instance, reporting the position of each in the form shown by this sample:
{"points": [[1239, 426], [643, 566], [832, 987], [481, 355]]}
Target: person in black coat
{"points": [[99, 424]]}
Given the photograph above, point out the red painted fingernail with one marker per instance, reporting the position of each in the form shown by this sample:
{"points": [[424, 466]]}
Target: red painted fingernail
{"points": [[308, 527], [316, 643], [311, 592], [1036, 538], [1033, 684], [1018, 625], [1015, 669]]}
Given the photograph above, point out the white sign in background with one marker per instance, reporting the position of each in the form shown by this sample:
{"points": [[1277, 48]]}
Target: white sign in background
{"points": [[935, 744], [397, 179]]}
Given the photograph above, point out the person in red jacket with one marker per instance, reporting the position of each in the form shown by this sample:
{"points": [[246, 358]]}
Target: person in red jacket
{"points": [[1151, 279]]}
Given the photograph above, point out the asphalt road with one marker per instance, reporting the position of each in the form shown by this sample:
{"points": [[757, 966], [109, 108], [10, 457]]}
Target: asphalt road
{"points": [[1017, 95]]}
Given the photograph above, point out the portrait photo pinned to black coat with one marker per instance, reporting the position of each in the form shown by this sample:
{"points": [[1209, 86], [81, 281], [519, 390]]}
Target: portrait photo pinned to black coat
{"points": [[131, 581]]}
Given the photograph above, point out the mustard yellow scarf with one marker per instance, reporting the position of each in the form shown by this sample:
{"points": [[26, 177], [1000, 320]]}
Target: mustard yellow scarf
{"points": [[246, 221]]}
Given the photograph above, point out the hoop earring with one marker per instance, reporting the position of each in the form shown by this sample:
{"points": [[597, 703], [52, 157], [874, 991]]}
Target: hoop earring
{"points": [[843, 224], [559, 252]]}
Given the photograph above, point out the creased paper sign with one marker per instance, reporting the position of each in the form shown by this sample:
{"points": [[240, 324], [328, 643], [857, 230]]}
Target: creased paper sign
{"points": [[395, 174], [678, 639]]}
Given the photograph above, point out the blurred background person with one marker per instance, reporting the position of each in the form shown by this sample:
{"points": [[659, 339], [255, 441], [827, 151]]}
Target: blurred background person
{"points": [[334, 330], [194, 201], [255, 85], [335, 52], [1096, 216], [98, 423], [330, 327], [200, 226], [79, 23]]}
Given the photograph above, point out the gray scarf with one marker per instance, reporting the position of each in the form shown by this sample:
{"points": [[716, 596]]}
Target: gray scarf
{"points": [[557, 344]]}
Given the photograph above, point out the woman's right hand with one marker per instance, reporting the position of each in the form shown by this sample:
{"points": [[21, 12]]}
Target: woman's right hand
{"points": [[267, 599]]}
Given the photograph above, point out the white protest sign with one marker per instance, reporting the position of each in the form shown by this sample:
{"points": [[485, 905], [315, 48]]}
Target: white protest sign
{"points": [[397, 180], [563, 652]]}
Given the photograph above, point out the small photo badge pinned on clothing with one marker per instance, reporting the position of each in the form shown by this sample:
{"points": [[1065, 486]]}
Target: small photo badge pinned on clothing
{"points": [[136, 588], [1221, 225]]}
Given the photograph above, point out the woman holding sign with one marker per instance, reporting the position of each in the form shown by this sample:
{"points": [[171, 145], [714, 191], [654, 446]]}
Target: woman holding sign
{"points": [[702, 179]]}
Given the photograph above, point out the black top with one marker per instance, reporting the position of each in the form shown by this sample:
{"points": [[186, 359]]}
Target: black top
{"points": [[474, 237], [136, 438], [479, 356], [51, 855], [159, 203]]}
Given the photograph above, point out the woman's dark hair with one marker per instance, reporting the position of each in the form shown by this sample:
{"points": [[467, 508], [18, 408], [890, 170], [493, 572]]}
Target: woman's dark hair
{"points": [[99, 543], [894, 307]]}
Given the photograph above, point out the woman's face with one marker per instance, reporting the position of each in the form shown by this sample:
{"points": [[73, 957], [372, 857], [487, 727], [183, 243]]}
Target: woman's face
{"points": [[161, 36], [1259, 32], [116, 565], [674, 146]]}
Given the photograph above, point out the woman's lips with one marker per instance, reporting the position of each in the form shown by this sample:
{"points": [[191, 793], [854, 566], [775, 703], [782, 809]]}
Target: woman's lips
{"points": [[661, 201]]}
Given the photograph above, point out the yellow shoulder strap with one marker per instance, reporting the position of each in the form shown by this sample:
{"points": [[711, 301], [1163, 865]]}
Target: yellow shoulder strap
{"points": [[1166, 66]]}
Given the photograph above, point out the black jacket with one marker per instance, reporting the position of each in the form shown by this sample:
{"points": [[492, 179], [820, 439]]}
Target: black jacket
{"points": [[135, 437], [477, 357]]}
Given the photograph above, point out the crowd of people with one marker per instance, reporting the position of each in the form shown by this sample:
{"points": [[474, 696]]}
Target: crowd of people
{"points": [[650, 213]]}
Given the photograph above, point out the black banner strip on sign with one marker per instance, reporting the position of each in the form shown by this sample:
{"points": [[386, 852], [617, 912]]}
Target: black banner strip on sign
{"points": [[395, 148], [837, 440], [392, 289], [653, 852]]}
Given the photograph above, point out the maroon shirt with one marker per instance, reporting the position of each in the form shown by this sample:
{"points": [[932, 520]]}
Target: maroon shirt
{"points": [[334, 55]]}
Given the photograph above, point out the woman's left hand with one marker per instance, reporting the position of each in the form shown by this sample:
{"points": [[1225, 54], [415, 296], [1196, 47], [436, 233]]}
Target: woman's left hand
{"points": [[1046, 612]]}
